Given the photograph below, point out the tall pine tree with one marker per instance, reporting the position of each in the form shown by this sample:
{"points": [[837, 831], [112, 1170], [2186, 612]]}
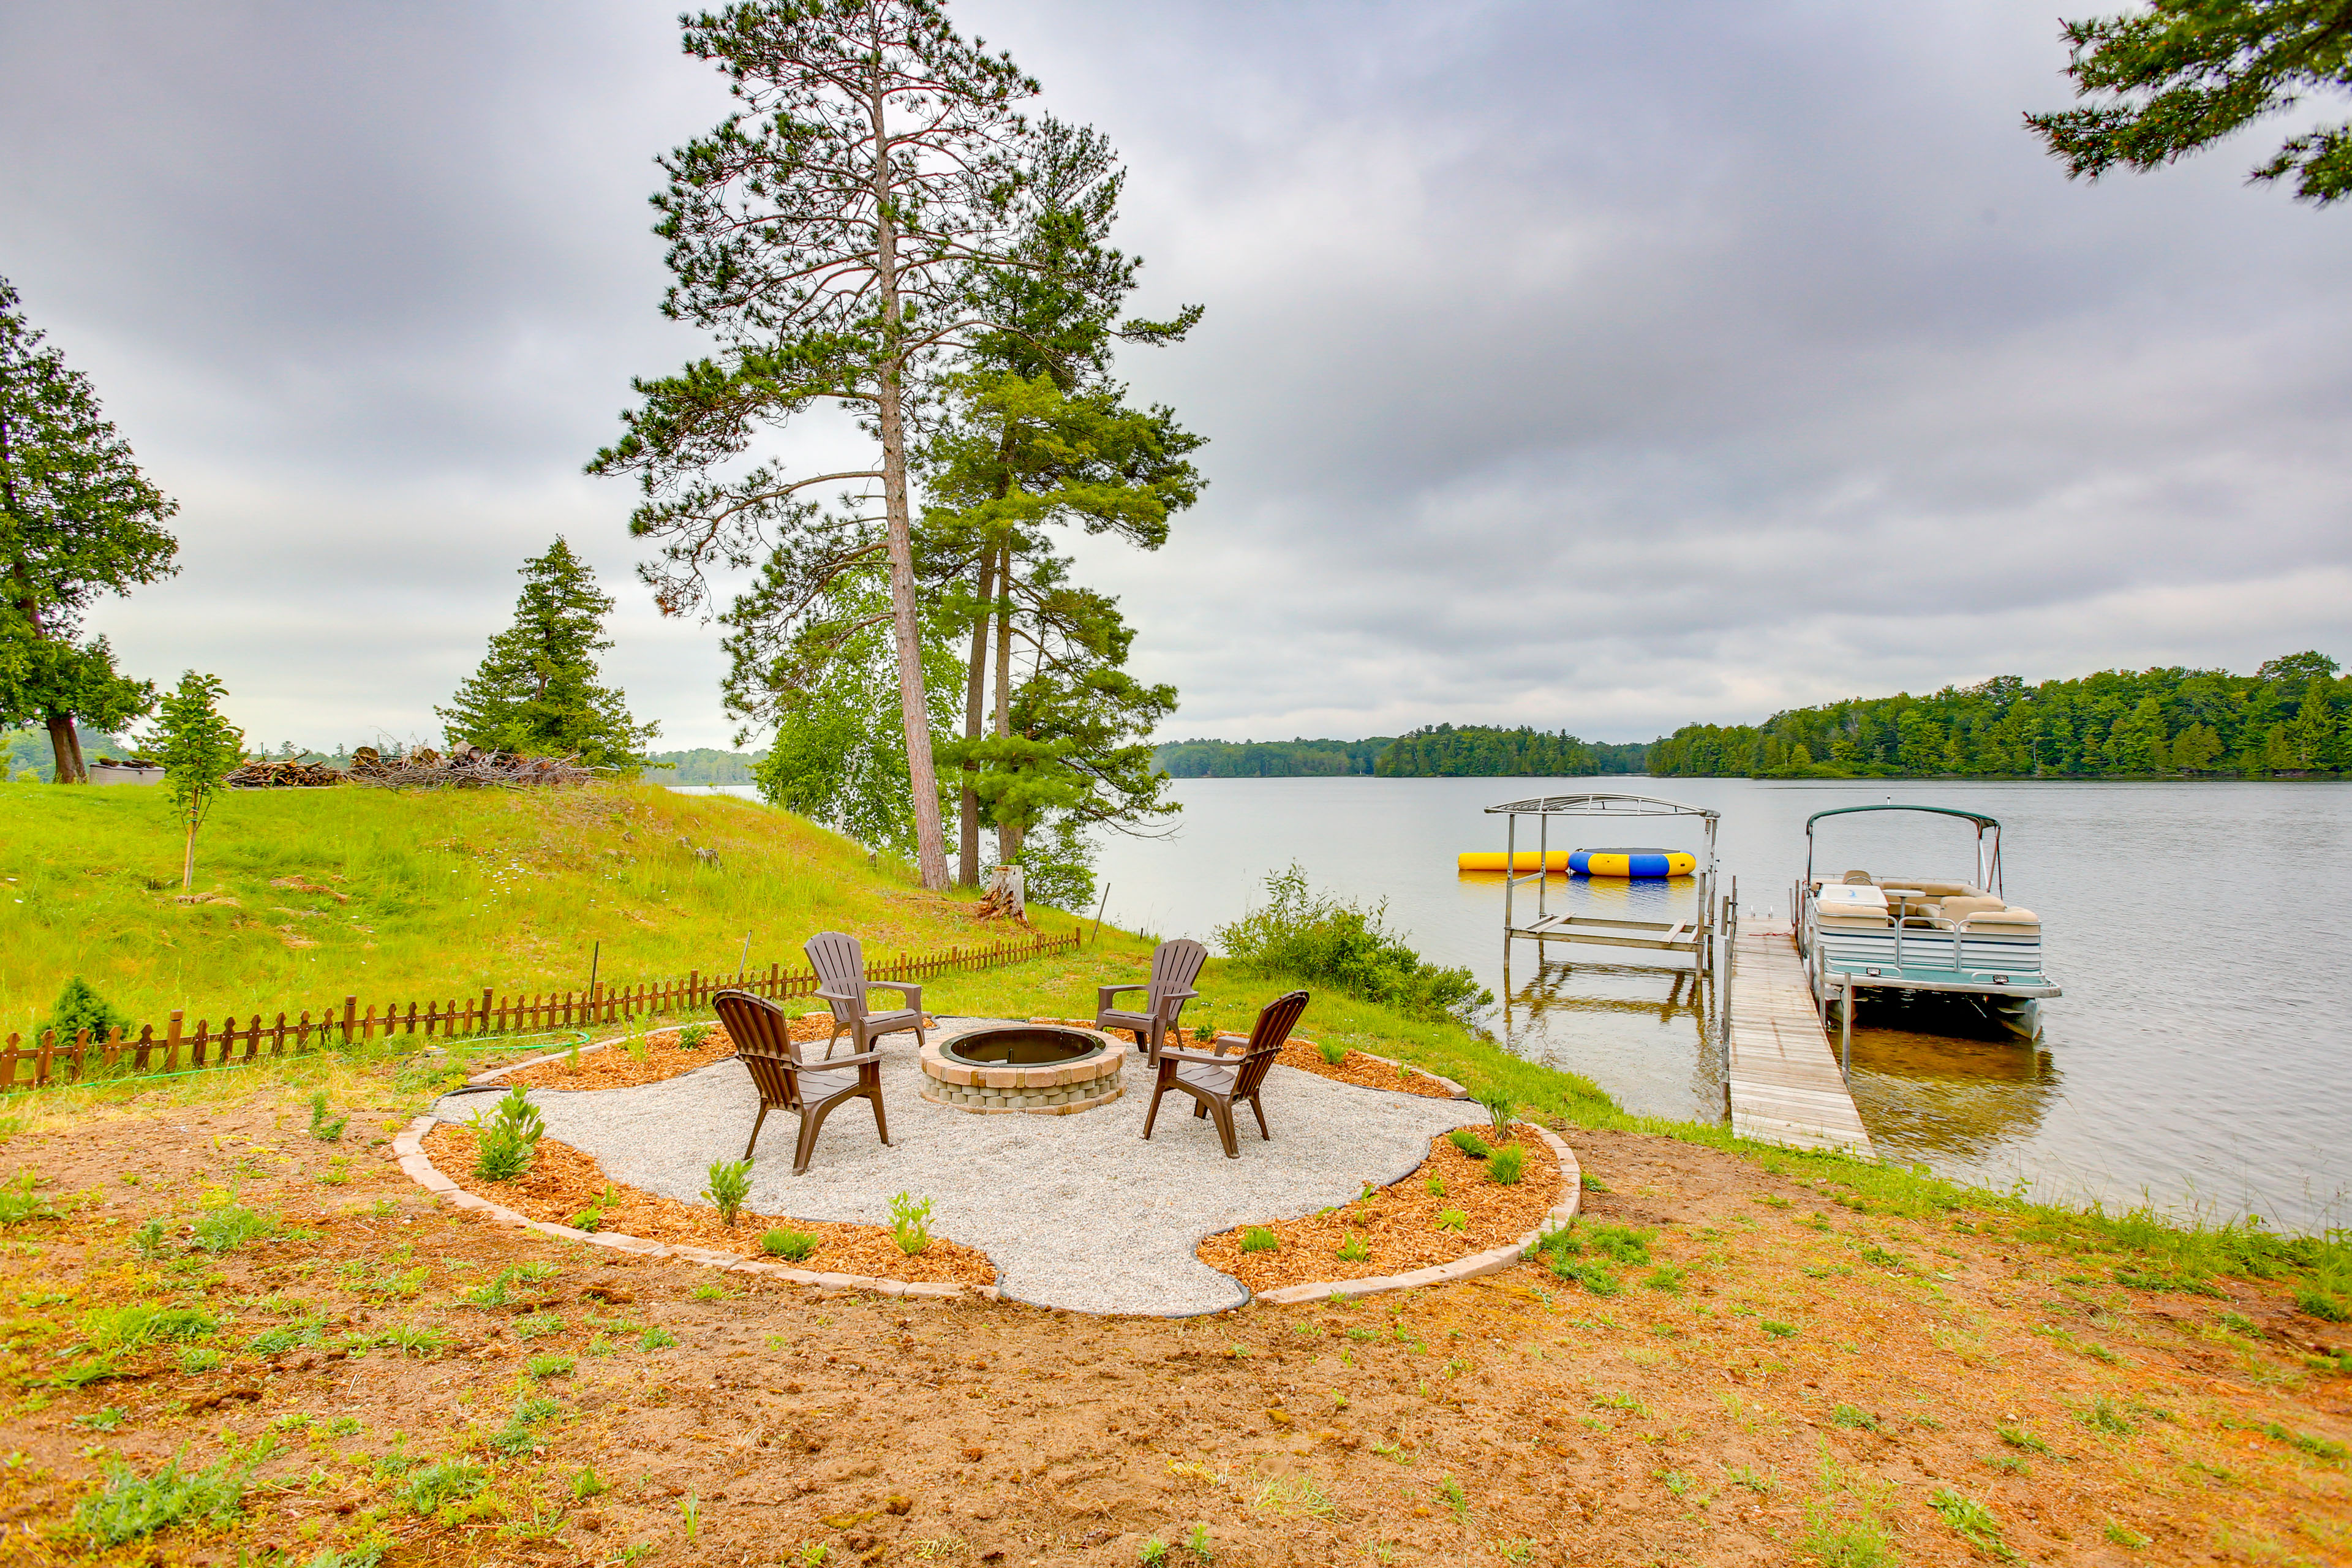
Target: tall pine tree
{"points": [[537, 691], [77, 518]]}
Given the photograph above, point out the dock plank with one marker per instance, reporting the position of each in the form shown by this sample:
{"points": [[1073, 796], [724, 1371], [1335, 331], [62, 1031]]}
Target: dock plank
{"points": [[1784, 1078]]}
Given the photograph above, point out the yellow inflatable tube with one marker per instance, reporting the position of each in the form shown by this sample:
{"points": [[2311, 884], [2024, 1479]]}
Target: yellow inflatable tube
{"points": [[1525, 860]]}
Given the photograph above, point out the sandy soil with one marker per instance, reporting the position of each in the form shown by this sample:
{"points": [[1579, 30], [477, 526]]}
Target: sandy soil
{"points": [[1791, 1373]]}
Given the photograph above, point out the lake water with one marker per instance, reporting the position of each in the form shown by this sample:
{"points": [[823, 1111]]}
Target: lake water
{"points": [[2201, 1058]]}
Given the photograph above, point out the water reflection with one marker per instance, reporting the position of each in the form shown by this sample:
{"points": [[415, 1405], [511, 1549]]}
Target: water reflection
{"points": [[1615, 1021], [1936, 1098]]}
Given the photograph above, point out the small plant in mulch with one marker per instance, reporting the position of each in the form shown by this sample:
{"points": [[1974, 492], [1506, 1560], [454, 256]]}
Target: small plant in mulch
{"points": [[1332, 1052], [1355, 1249], [1506, 1165], [1469, 1142], [1436, 1185], [592, 1216], [1259, 1238], [690, 1037], [1498, 1107], [1453, 1220], [792, 1246], [730, 1185], [911, 1223], [506, 1143]]}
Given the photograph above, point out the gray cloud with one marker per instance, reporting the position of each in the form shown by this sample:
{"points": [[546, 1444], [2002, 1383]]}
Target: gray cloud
{"points": [[1570, 364]]}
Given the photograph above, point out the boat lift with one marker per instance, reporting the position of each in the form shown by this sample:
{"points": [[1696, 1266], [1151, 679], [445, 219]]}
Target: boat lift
{"points": [[1700, 937]]}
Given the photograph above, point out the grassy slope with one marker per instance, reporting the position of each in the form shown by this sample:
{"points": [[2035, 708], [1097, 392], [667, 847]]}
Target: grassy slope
{"points": [[447, 894]]}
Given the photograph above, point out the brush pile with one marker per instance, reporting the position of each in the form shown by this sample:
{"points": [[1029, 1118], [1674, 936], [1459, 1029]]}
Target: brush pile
{"points": [[467, 767], [289, 774]]}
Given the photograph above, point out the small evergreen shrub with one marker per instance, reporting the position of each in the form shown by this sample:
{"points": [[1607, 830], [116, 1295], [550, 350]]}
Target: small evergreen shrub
{"points": [[1505, 1165], [78, 1008]]}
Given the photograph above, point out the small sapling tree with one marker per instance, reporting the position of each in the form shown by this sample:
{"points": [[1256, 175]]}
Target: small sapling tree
{"points": [[199, 749]]}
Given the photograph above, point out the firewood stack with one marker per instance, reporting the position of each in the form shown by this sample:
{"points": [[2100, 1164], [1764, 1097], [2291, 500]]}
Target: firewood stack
{"points": [[264, 773]]}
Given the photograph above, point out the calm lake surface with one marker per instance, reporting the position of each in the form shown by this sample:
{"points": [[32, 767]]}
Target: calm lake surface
{"points": [[2201, 1057]]}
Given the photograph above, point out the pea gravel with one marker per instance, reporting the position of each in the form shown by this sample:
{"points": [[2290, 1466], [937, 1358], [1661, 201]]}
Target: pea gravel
{"points": [[1076, 1211]]}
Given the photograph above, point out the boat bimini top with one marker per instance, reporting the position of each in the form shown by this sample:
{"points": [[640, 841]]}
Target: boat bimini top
{"points": [[1988, 875]]}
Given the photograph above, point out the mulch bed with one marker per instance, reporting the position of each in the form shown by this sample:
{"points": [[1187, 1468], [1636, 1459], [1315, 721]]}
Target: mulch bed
{"points": [[1356, 1068], [563, 1180], [614, 1068], [1400, 1222]]}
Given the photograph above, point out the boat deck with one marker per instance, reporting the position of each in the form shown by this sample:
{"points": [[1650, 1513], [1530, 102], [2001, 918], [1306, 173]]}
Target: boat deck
{"points": [[1784, 1078]]}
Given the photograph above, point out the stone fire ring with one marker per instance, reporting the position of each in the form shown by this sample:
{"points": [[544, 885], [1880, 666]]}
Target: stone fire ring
{"points": [[1053, 1089]]}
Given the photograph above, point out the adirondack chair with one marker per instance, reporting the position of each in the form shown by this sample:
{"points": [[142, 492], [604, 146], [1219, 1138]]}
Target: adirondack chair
{"points": [[1174, 966], [840, 966], [763, 1043], [1218, 1083]]}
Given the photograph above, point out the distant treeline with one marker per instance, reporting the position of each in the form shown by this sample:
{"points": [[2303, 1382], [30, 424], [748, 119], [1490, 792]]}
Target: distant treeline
{"points": [[1478, 751], [1268, 759], [703, 765], [2293, 717]]}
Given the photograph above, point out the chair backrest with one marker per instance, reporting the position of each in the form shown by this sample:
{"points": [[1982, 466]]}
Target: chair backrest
{"points": [[1267, 1040], [1174, 966], [840, 964], [764, 1041]]}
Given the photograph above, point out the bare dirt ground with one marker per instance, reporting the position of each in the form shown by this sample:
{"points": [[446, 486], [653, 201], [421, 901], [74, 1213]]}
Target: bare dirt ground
{"points": [[1792, 1374]]}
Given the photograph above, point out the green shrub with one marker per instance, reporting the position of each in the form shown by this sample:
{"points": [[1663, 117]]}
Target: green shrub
{"points": [[131, 1505], [1506, 1165], [1469, 1142], [911, 1223], [78, 1008], [730, 1184], [507, 1143], [1259, 1238], [792, 1246], [690, 1037], [1324, 940]]}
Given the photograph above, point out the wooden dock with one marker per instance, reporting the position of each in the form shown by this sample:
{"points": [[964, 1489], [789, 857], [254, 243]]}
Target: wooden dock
{"points": [[1784, 1078]]}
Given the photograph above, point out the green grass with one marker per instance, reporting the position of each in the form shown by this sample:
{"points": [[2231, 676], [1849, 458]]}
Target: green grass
{"points": [[131, 1505]]}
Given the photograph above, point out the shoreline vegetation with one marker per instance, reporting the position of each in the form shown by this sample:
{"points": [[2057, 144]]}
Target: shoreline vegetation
{"points": [[238, 1329]]}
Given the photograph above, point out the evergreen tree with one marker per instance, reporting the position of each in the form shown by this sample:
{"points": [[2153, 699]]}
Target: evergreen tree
{"points": [[77, 518], [536, 691], [2182, 74]]}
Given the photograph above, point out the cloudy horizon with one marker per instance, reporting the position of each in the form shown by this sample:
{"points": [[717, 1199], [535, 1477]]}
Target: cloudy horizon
{"points": [[1591, 368]]}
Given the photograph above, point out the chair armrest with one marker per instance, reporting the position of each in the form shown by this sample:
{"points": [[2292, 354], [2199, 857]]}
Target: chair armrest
{"points": [[913, 994], [1173, 1054], [841, 995], [1177, 997], [826, 1064], [1103, 993]]}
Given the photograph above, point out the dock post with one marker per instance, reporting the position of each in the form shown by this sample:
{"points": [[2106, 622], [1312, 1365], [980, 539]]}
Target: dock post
{"points": [[1845, 1025]]}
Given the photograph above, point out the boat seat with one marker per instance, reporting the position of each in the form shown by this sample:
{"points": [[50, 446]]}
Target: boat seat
{"points": [[1964, 905], [1933, 887], [1872, 921], [1857, 879], [2005, 923]]}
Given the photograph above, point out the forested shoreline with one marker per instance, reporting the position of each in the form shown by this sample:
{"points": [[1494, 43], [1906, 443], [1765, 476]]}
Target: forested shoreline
{"points": [[2288, 720]]}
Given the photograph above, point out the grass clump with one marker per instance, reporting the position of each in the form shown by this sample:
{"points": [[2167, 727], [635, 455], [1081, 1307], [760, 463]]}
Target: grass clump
{"points": [[321, 1129], [1325, 941], [1973, 1521], [437, 1487], [520, 1435], [1469, 1142], [730, 1185], [1332, 1052], [547, 1366], [1259, 1238], [1506, 1165], [792, 1246], [227, 1228], [131, 1505]]}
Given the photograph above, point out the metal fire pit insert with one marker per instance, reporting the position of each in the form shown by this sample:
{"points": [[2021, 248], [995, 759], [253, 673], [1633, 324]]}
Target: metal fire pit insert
{"points": [[1038, 1068]]}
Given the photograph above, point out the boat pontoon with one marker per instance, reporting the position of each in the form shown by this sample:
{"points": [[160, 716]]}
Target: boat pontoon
{"points": [[1925, 935]]}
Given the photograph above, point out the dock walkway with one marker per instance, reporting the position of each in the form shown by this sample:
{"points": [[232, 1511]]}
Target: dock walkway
{"points": [[1784, 1078]]}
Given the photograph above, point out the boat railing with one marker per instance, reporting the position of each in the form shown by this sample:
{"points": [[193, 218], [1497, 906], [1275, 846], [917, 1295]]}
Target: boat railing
{"points": [[1931, 932]]}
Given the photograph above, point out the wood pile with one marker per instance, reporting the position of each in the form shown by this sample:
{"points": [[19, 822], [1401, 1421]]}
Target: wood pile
{"points": [[290, 773], [467, 767]]}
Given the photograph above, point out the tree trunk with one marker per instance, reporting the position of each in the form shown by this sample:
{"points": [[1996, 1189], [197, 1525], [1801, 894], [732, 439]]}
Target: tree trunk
{"points": [[67, 747], [975, 694], [188, 866], [914, 708], [1008, 836]]}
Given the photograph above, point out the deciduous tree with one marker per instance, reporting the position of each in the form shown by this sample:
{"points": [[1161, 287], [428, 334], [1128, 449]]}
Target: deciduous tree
{"points": [[199, 749], [2177, 77], [77, 518]]}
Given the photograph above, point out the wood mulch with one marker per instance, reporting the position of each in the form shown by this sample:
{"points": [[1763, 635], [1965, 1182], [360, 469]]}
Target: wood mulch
{"points": [[614, 1068], [562, 1181], [1400, 1222], [1356, 1068]]}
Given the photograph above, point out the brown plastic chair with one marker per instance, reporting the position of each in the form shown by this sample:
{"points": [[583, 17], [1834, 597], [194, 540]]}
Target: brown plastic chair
{"points": [[1220, 1083], [840, 966], [1174, 966], [763, 1043]]}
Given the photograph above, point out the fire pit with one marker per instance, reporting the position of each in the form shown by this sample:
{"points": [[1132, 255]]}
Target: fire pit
{"points": [[1034, 1067]]}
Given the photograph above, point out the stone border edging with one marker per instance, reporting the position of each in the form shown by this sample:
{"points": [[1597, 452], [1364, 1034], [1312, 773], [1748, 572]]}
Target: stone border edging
{"points": [[1492, 1261], [408, 1148], [1458, 1090]]}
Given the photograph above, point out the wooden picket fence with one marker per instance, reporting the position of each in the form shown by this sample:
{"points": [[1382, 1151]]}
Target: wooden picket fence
{"points": [[48, 1061]]}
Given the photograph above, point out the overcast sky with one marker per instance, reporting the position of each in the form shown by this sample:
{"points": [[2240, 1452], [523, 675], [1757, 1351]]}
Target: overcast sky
{"points": [[1596, 366]]}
